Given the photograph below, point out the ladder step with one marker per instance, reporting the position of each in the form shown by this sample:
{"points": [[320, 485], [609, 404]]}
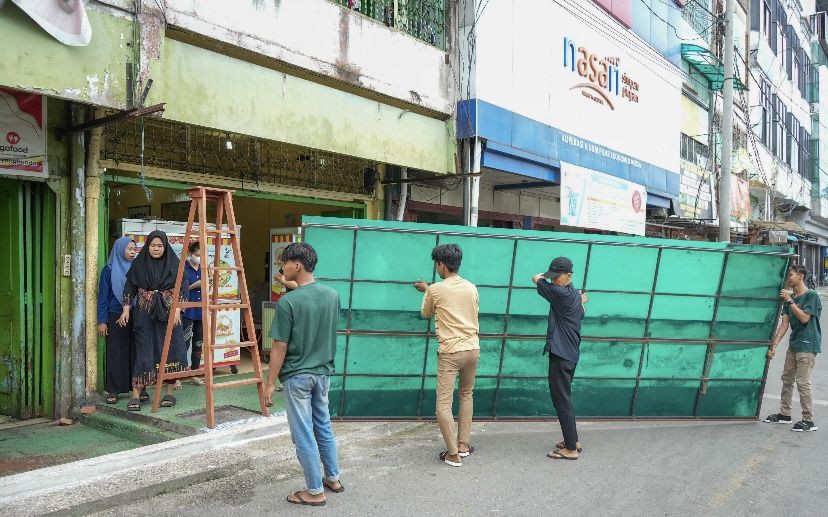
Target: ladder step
{"points": [[184, 374], [228, 306], [189, 305], [241, 344], [214, 232], [233, 384], [224, 268]]}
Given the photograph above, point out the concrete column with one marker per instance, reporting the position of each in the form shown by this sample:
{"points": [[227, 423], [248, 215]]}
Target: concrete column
{"points": [[474, 182], [77, 244], [92, 195]]}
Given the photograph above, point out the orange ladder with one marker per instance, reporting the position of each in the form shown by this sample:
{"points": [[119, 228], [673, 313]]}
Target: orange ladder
{"points": [[210, 304]]}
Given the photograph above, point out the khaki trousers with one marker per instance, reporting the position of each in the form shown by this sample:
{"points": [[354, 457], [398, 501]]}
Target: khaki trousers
{"points": [[798, 368], [448, 367]]}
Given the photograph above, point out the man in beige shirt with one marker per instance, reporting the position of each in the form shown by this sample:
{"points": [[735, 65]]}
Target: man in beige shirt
{"points": [[456, 304]]}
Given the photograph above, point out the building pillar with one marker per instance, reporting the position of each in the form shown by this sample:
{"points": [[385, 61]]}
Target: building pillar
{"points": [[92, 196], [77, 244]]}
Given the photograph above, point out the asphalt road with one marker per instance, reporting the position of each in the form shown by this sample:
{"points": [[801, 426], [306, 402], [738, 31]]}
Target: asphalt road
{"points": [[627, 468]]}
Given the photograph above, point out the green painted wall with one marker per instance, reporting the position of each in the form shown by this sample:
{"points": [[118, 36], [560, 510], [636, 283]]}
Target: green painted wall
{"points": [[209, 89], [34, 60]]}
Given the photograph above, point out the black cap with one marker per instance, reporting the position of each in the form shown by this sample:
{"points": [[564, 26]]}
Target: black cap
{"points": [[558, 267]]}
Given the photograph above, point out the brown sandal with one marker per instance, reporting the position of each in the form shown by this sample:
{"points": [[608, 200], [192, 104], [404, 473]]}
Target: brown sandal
{"points": [[298, 495], [329, 486], [558, 455], [561, 445]]}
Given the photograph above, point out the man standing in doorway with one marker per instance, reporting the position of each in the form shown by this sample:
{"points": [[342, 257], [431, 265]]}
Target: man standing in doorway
{"points": [[304, 334], [456, 304], [801, 312], [563, 344]]}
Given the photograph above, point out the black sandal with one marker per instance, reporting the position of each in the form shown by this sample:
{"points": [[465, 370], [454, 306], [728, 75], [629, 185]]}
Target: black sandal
{"points": [[144, 396], [167, 401], [134, 405], [112, 399]]}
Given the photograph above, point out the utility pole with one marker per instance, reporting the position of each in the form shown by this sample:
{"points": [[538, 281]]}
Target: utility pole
{"points": [[727, 126]]}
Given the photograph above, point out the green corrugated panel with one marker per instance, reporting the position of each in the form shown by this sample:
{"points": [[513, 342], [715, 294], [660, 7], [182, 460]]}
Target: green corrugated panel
{"points": [[672, 329]]}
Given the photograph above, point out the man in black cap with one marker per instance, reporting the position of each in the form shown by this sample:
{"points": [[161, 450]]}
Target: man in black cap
{"points": [[563, 344]]}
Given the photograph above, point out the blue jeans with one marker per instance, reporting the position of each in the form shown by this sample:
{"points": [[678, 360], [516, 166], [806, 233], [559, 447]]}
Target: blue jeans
{"points": [[306, 402]]}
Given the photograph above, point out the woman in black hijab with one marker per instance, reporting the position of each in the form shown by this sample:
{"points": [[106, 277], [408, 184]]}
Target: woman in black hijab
{"points": [[150, 283]]}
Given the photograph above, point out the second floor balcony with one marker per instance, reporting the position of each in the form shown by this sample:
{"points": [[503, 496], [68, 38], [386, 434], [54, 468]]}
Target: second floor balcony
{"points": [[423, 19]]}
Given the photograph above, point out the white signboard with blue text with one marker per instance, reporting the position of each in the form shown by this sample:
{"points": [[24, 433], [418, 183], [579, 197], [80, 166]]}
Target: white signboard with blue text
{"points": [[592, 199]]}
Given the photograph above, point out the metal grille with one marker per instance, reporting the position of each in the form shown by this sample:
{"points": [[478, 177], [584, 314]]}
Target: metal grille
{"points": [[164, 144], [697, 14], [423, 19]]}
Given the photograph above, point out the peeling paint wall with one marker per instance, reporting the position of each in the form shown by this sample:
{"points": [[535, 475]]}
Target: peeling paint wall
{"points": [[32, 60], [261, 102], [326, 39]]}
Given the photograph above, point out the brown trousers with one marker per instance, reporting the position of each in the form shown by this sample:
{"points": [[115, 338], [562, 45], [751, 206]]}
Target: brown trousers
{"points": [[448, 367], [798, 368]]}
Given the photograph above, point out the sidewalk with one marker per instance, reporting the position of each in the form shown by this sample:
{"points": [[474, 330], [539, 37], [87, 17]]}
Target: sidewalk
{"points": [[34, 444]]}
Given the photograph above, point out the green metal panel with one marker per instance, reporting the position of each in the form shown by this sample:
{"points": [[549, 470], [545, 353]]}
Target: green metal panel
{"points": [[673, 328], [27, 293], [11, 297]]}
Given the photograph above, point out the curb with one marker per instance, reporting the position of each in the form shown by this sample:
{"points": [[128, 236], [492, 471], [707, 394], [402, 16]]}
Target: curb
{"points": [[22, 494]]}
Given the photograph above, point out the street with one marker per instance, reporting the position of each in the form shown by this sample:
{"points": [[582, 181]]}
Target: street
{"points": [[627, 468]]}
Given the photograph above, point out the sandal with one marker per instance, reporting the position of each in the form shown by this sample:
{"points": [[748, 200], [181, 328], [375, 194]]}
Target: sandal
{"points": [[561, 445], [134, 405], [177, 385], [298, 496], [280, 387], [167, 401], [466, 454], [329, 486], [444, 458], [558, 455], [198, 381], [144, 396], [112, 399]]}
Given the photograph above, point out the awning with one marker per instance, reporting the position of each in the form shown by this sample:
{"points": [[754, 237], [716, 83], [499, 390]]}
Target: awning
{"points": [[792, 238], [788, 226], [708, 65]]}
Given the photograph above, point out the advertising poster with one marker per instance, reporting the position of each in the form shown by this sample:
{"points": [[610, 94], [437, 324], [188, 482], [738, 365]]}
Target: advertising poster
{"points": [[592, 199], [279, 239], [228, 322], [739, 199], [22, 134]]}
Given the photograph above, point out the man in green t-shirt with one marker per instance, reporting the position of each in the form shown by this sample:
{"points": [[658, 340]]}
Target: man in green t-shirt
{"points": [[801, 312], [304, 346]]}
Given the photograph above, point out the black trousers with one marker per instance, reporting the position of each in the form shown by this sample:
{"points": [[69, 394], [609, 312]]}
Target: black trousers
{"points": [[120, 353], [561, 373]]}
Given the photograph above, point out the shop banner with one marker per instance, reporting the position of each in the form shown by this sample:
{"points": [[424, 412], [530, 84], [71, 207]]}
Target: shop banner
{"points": [[592, 199], [279, 240], [228, 322], [22, 134], [740, 210]]}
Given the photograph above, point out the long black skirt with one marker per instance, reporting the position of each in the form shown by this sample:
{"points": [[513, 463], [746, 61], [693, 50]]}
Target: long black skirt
{"points": [[148, 334], [120, 353]]}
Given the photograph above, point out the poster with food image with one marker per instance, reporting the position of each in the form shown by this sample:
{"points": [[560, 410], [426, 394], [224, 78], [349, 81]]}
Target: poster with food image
{"points": [[279, 239], [230, 320]]}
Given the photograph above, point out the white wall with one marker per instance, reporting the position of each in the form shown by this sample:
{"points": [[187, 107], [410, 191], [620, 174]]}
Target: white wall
{"points": [[326, 39]]}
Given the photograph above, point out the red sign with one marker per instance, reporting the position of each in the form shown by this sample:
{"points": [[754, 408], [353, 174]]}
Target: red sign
{"points": [[23, 124]]}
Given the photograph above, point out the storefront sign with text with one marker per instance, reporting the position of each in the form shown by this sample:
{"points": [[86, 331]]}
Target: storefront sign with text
{"points": [[22, 134]]}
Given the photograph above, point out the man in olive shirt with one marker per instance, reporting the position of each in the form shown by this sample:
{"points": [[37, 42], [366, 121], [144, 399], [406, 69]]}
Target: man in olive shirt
{"points": [[801, 312], [304, 334], [456, 304]]}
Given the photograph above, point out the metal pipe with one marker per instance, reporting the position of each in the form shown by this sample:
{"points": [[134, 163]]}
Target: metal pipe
{"points": [[77, 215], [403, 194], [474, 182]]}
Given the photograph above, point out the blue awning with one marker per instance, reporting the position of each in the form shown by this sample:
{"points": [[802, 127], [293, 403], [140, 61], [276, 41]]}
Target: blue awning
{"points": [[792, 238]]}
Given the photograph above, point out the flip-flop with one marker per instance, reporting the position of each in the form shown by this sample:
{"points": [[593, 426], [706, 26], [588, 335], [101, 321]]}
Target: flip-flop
{"points": [[111, 399], [556, 455], [143, 396], [134, 405], [167, 401], [561, 445], [280, 387], [467, 453], [298, 495], [329, 487]]}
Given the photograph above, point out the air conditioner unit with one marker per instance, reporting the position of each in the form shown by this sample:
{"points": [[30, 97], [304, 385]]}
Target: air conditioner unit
{"points": [[814, 108], [777, 237]]}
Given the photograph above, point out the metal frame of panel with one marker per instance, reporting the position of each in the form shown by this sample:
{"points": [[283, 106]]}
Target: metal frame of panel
{"points": [[641, 389]]}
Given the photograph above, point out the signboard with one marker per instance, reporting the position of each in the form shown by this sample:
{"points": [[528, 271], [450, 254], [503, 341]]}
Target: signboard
{"points": [[279, 239], [22, 134], [592, 199], [228, 322], [740, 210], [587, 77]]}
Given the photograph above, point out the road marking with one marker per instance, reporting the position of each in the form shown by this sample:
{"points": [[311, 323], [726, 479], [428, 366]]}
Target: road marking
{"points": [[816, 402]]}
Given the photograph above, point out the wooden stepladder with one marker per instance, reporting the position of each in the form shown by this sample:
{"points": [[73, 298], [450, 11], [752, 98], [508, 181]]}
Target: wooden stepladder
{"points": [[209, 303]]}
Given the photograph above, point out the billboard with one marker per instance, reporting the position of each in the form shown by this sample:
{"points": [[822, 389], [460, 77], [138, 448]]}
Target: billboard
{"points": [[22, 134], [596, 82]]}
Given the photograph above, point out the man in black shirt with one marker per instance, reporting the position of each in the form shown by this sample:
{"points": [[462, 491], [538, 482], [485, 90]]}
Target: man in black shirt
{"points": [[563, 344]]}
